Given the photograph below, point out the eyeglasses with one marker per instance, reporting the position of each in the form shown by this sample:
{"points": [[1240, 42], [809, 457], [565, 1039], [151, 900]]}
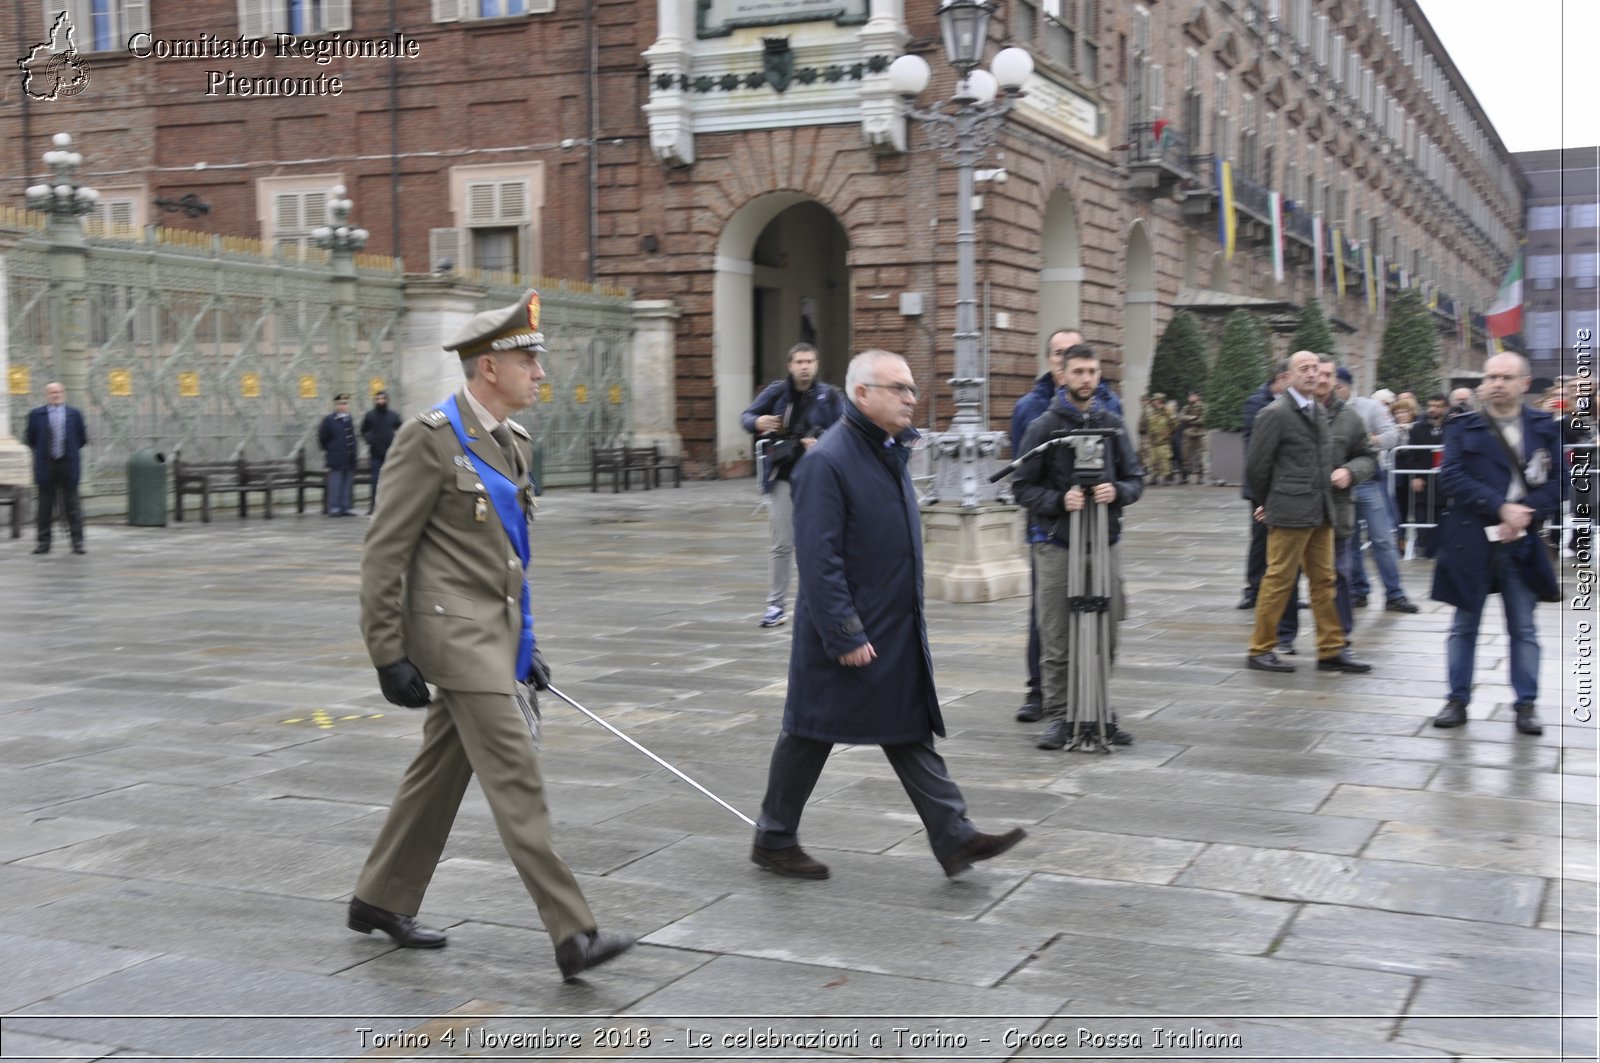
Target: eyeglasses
{"points": [[905, 391]]}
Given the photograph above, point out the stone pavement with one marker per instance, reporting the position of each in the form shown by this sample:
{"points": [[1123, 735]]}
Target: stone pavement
{"points": [[195, 758]]}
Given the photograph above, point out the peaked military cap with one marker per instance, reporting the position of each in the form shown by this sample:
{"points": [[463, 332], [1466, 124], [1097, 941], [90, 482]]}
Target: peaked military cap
{"points": [[509, 328]]}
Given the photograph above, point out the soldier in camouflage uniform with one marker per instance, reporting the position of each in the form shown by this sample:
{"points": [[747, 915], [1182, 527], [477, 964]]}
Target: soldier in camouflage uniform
{"points": [[1192, 421], [1155, 439]]}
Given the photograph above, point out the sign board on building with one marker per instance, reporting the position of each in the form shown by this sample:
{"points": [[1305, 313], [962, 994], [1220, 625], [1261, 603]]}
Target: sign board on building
{"points": [[718, 18], [1064, 110], [308, 386]]}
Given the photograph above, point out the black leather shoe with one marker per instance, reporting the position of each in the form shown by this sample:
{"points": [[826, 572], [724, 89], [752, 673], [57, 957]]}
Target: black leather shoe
{"points": [[77, 548], [1399, 605], [1247, 601], [980, 847], [582, 951], [1359, 601], [1032, 710], [406, 931], [1055, 736], [792, 862], [1342, 663], [1527, 722], [1268, 662], [42, 548], [1454, 714]]}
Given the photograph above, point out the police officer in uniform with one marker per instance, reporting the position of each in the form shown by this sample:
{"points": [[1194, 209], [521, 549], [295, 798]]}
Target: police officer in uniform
{"points": [[444, 599]]}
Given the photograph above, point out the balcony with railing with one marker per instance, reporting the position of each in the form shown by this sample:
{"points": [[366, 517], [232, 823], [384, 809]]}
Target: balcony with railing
{"points": [[1158, 156]]}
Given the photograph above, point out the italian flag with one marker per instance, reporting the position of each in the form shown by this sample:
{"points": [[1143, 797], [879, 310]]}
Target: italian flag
{"points": [[1504, 316]]}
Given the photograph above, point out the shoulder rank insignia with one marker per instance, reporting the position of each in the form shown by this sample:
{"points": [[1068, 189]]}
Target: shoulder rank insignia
{"points": [[433, 418]]}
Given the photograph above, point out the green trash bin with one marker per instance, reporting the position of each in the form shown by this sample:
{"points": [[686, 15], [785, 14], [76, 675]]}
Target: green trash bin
{"points": [[536, 471], [147, 489]]}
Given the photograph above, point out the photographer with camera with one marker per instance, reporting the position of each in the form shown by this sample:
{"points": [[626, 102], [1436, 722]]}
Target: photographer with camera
{"points": [[1050, 487], [789, 416]]}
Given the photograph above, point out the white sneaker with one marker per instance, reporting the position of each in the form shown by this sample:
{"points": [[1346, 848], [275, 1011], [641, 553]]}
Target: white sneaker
{"points": [[773, 617]]}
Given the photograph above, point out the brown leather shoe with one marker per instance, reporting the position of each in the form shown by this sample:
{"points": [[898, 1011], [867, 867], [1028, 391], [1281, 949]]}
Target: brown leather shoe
{"points": [[364, 918], [792, 862], [590, 949], [980, 847]]}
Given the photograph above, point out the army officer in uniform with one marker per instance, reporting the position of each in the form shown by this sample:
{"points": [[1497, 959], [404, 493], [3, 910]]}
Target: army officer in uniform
{"points": [[444, 600]]}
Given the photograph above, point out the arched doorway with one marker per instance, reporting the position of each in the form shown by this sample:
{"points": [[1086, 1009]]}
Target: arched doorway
{"points": [[1061, 279], [782, 277], [1140, 321]]}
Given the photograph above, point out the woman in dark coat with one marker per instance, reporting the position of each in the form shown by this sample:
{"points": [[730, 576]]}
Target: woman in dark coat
{"points": [[859, 667]]}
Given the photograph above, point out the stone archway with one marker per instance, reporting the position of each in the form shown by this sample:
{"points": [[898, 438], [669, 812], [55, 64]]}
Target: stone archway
{"points": [[782, 276], [1061, 279], [1139, 329]]}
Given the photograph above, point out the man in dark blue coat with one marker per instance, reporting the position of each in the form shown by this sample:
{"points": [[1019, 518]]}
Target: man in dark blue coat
{"points": [[56, 434], [1502, 474], [337, 434], [859, 667], [1255, 565]]}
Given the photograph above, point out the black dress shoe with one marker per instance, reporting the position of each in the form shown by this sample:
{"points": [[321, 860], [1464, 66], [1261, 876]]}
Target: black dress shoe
{"points": [[1359, 601], [1032, 710], [406, 931], [980, 847], [1399, 605], [1454, 714], [1248, 601], [1055, 736], [77, 548], [42, 548], [1268, 662], [1342, 663], [582, 951], [1527, 722], [792, 862]]}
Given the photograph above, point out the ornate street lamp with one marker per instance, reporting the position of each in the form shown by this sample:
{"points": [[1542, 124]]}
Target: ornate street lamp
{"points": [[63, 198], [340, 236], [963, 128]]}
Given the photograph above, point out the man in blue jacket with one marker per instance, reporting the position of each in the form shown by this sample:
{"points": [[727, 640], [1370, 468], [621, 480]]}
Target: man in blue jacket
{"points": [[56, 434], [1502, 473], [790, 415], [859, 667], [337, 435]]}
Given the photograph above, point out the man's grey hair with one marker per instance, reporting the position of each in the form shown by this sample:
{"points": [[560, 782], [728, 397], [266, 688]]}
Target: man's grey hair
{"points": [[863, 369]]}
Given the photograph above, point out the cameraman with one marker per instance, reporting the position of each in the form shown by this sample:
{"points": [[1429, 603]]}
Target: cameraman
{"points": [[789, 415], [1049, 490]]}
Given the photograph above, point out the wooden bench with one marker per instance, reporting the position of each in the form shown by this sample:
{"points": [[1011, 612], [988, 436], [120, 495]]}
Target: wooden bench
{"points": [[202, 478], [268, 476], [16, 496], [650, 463], [604, 460]]}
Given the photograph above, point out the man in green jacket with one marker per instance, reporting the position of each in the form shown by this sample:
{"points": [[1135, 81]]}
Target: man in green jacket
{"points": [[1291, 473]]}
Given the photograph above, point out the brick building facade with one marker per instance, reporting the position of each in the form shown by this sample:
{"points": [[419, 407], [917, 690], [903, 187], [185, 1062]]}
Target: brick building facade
{"points": [[647, 143]]}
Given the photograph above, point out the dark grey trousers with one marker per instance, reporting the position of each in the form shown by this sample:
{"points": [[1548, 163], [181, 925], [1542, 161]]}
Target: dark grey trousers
{"points": [[797, 764]]}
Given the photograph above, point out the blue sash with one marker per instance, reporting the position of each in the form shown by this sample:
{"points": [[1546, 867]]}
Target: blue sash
{"points": [[503, 493]]}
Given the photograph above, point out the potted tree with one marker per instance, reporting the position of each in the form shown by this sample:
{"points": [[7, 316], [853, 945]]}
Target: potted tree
{"points": [[1244, 361]]}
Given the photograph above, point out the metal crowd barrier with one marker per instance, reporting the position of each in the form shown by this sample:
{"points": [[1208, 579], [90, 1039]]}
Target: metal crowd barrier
{"points": [[1581, 489]]}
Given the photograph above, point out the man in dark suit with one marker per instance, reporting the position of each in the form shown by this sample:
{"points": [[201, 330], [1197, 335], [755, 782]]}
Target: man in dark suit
{"points": [[445, 598], [1255, 565], [1291, 475], [337, 434], [1502, 472], [378, 428], [859, 666], [56, 434]]}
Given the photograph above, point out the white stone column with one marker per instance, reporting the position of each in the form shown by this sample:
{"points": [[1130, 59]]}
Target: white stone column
{"points": [[652, 384], [669, 111], [883, 120], [437, 308], [16, 463]]}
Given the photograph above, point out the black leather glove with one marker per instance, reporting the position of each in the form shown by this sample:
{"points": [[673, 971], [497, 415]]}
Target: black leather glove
{"points": [[538, 672], [403, 685]]}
